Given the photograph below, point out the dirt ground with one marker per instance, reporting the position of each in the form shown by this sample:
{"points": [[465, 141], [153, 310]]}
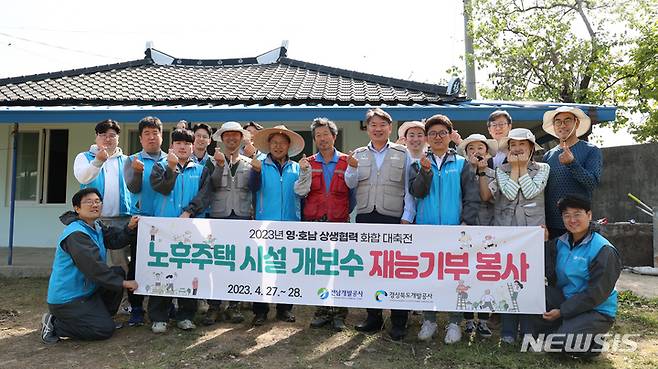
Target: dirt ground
{"points": [[284, 345]]}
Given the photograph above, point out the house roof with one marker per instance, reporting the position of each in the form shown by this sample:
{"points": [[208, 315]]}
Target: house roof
{"points": [[270, 78]]}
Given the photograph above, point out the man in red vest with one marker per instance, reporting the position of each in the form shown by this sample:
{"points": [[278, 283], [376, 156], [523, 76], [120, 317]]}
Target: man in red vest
{"points": [[327, 198]]}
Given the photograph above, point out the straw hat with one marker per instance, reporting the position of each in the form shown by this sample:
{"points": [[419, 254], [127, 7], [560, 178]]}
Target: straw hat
{"points": [[583, 127], [261, 139], [402, 131], [492, 145], [518, 134], [228, 127]]}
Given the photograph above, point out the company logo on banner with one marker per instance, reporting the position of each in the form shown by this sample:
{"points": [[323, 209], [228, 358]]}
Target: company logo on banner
{"points": [[411, 267], [323, 293]]}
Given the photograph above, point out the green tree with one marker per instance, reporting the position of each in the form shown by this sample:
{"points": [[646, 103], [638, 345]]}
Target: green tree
{"points": [[640, 83], [573, 51]]}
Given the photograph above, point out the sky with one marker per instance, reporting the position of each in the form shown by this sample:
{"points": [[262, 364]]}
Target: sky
{"points": [[411, 39]]}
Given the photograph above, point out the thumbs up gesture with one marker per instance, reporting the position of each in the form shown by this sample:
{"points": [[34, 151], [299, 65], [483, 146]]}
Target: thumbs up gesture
{"points": [[220, 159], [256, 164], [566, 157], [102, 154], [352, 161], [425, 164], [303, 163], [137, 165], [172, 160]]}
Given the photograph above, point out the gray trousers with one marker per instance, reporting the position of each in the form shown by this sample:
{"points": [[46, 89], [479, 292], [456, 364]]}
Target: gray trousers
{"points": [[88, 318], [590, 322]]}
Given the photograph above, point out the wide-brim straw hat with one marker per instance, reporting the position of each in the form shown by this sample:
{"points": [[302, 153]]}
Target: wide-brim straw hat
{"points": [[492, 145], [518, 134], [402, 131], [261, 139], [583, 127], [228, 127]]}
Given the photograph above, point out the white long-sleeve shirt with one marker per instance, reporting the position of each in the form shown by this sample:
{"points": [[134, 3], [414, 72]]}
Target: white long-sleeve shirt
{"points": [[86, 171]]}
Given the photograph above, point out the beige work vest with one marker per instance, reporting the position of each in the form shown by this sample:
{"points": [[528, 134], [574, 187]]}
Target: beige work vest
{"points": [[381, 188]]}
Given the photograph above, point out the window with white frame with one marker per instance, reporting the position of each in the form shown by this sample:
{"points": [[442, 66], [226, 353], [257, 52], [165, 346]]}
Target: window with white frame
{"points": [[42, 166]]}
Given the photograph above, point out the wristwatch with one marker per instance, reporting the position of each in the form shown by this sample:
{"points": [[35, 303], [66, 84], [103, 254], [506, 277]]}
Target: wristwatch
{"points": [[481, 174]]}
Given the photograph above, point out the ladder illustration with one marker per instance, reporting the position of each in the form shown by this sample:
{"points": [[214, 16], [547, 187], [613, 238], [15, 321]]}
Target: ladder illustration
{"points": [[515, 305], [461, 301]]}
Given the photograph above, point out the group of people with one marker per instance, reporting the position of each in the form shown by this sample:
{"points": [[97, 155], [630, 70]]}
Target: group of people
{"points": [[429, 176]]}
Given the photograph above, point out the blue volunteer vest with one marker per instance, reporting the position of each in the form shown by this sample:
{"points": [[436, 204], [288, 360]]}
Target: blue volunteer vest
{"points": [[276, 199], [125, 198], [186, 187], [66, 282], [142, 202], [572, 269], [443, 204]]}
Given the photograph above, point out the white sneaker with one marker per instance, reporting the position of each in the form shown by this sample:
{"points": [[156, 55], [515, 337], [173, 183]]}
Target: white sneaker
{"points": [[186, 325], [427, 331], [453, 334], [159, 327]]}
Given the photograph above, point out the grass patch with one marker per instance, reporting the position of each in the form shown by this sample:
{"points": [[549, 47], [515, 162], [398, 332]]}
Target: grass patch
{"points": [[281, 345]]}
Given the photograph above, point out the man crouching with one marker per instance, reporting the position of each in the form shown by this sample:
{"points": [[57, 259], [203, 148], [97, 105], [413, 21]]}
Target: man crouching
{"points": [[83, 292]]}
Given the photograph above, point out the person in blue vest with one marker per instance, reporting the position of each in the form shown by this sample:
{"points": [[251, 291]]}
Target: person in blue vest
{"points": [[273, 181], [83, 291], [202, 140], [136, 171], [101, 167], [582, 270], [177, 183], [436, 182]]}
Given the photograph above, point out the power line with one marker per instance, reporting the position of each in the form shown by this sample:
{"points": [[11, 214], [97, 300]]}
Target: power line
{"points": [[81, 31], [58, 47]]}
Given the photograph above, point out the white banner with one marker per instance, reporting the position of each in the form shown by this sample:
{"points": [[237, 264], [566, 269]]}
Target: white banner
{"points": [[412, 267]]}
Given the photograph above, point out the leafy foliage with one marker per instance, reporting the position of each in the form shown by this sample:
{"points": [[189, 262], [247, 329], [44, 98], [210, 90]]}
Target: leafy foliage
{"points": [[573, 51]]}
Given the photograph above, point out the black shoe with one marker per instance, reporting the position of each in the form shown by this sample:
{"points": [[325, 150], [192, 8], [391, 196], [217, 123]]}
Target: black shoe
{"points": [[285, 316], [259, 319], [48, 335], [320, 321], [370, 325], [213, 315], [339, 324], [172, 311], [397, 333]]}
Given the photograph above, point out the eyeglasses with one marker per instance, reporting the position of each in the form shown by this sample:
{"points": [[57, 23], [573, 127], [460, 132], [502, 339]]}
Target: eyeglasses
{"points": [[565, 122], [105, 136], [434, 134], [498, 125], [91, 202]]}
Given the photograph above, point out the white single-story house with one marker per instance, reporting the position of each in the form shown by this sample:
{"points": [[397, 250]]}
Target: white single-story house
{"points": [[51, 116]]}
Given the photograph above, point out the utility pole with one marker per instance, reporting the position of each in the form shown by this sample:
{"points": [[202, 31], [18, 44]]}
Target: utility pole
{"points": [[468, 53]]}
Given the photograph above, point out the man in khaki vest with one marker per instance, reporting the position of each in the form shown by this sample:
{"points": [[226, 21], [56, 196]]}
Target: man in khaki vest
{"points": [[372, 168], [229, 198]]}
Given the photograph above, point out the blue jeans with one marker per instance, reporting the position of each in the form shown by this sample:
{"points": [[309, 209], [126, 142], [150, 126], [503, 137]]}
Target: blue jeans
{"points": [[511, 324]]}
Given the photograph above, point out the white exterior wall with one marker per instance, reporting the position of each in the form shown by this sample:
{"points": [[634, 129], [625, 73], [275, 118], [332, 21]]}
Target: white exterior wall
{"points": [[37, 225]]}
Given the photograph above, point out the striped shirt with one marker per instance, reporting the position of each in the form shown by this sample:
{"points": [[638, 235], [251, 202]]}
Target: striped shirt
{"points": [[530, 187]]}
